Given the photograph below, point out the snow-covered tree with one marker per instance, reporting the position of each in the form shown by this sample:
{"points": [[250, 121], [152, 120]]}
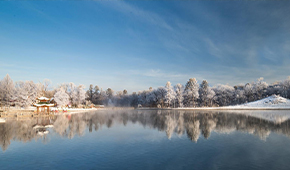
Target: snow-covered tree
{"points": [[249, 92], [224, 94], [239, 95], [72, 93], [80, 95], [125, 101], [76, 94], [44, 87], [161, 93], [170, 94], [97, 95], [110, 93], [179, 95], [285, 88], [259, 87], [151, 97], [103, 97], [26, 93], [206, 94], [7, 90], [133, 99], [61, 97], [90, 93], [190, 93]]}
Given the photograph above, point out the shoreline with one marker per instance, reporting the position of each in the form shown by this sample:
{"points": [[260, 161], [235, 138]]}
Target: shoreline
{"points": [[219, 108]]}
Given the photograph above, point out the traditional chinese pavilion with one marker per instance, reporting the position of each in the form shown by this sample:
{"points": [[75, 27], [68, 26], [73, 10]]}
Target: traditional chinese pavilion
{"points": [[43, 104]]}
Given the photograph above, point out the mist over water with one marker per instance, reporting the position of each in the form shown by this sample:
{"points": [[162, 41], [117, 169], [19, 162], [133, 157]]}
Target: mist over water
{"points": [[146, 139]]}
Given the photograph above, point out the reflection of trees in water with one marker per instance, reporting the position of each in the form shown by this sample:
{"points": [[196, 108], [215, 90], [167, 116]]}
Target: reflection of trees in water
{"points": [[180, 124], [60, 125], [192, 130], [170, 124], [20, 131], [190, 122]]}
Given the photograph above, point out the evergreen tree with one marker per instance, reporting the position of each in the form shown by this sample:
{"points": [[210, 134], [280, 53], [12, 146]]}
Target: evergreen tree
{"points": [[191, 93], [179, 95], [170, 94], [90, 93], [206, 94]]}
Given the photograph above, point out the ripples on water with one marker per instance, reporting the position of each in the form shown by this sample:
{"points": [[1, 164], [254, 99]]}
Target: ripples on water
{"points": [[145, 140]]}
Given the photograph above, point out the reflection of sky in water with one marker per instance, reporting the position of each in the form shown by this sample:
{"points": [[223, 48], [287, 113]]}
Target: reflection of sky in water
{"points": [[136, 146]]}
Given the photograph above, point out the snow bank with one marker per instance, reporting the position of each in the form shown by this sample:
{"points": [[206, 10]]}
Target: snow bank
{"points": [[273, 101]]}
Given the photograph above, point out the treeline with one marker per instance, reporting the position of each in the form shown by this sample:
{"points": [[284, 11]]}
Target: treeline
{"points": [[192, 94], [24, 94]]}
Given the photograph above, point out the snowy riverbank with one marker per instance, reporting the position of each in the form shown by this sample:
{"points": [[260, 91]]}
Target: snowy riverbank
{"points": [[270, 103]]}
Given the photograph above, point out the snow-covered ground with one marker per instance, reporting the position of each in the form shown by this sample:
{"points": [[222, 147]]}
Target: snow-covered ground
{"points": [[273, 108], [274, 101]]}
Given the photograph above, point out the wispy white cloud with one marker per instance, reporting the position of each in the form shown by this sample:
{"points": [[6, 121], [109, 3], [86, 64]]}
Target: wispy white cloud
{"points": [[158, 73], [138, 13]]}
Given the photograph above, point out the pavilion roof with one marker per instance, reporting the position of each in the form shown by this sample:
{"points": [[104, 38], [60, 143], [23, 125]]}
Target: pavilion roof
{"points": [[40, 105], [43, 98]]}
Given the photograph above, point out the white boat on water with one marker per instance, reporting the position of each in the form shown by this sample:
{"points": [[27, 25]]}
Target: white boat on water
{"points": [[2, 120]]}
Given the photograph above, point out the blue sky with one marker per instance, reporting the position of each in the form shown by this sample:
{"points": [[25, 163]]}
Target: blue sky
{"points": [[137, 44]]}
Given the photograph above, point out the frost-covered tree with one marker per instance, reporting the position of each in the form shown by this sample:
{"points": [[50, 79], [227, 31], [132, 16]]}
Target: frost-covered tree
{"points": [[190, 93], [61, 97], [72, 93], [26, 93], [260, 87], [76, 94], [224, 94], [7, 91], [133, 99], [142, 97], [125, 92], [103, 97], [151, 97], [285, 88], [118, 98], [80, 95], [170, 94], [44, 88], [239, 95], [110, 93], [90, 93], [125, 101], [206, 94], [179, 95], [97, 95], [249, 92], [161, 93]]}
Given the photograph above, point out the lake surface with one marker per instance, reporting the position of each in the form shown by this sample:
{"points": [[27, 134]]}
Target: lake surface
{"points": [[143, 139]]}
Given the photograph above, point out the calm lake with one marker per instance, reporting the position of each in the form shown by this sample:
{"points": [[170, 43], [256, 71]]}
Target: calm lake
{"points": [[144, 139]]}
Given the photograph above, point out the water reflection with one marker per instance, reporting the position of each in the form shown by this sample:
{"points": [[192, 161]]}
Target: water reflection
{"points": [[192, 123]]}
